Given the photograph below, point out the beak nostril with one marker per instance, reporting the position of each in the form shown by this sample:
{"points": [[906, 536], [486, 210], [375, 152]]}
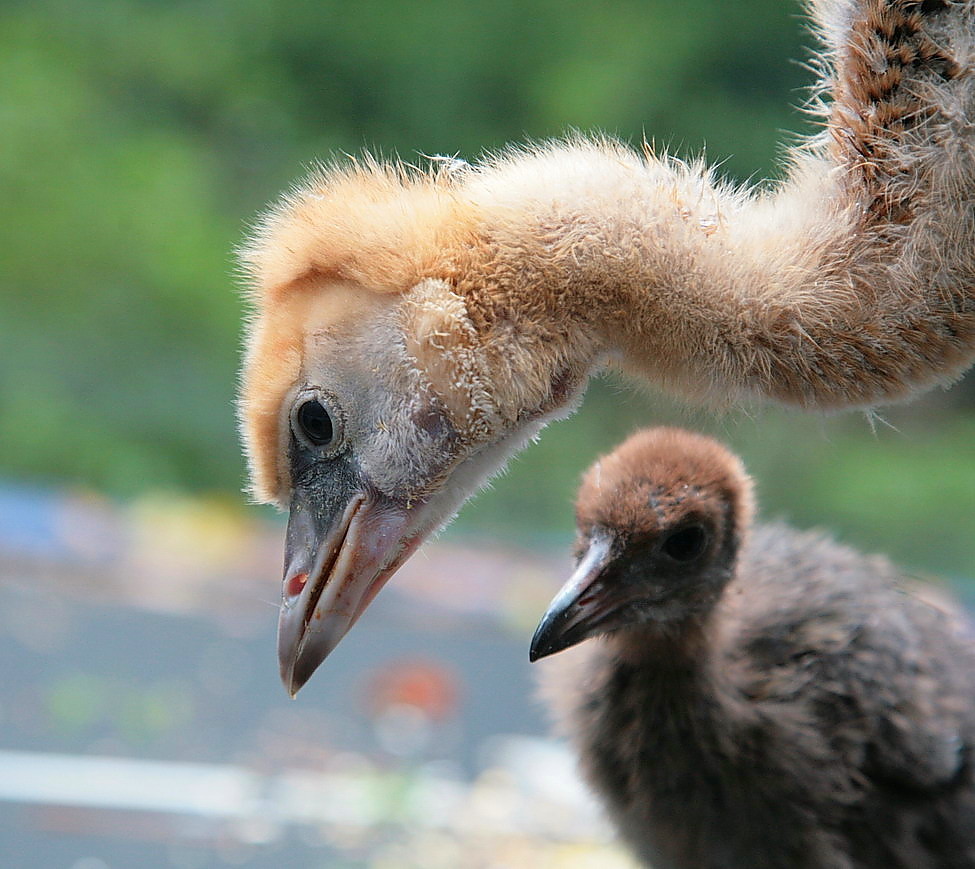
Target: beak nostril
{"points": [[296, 584]]}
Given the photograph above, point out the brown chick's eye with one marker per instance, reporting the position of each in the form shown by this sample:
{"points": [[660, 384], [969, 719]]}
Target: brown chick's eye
{"points": [[687, 544], [315, 423]]}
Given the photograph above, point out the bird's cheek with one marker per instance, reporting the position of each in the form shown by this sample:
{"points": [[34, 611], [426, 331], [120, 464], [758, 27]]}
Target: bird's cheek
{"points": [[433, 424], [410, 451], [438, 442]]}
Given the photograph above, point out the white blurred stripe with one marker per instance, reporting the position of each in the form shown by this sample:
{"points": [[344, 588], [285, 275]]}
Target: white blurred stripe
{"points": [[120, 783], [515, 795]]}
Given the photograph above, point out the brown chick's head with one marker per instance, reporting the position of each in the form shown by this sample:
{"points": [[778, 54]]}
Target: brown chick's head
{"points": [[660, 522]]}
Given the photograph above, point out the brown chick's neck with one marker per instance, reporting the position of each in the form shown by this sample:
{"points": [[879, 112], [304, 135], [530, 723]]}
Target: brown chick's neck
{"points": [[678, 648]]}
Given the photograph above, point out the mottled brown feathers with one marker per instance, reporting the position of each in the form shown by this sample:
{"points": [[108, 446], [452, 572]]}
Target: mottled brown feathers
{"points": [[896, 53]]}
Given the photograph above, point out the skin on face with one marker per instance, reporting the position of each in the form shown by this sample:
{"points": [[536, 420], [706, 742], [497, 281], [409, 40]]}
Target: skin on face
{"points": [[370, 448], [357, 403], [625, 578]]}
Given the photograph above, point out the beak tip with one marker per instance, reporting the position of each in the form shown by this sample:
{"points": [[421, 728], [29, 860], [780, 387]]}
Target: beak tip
{"points": [[544, 650], [542, 645], [294, 679], [292, 686], [288, 682]]}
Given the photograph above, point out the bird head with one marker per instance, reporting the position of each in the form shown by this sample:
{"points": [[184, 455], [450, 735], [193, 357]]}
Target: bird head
{"points": [[373, 401], [660, 522]]}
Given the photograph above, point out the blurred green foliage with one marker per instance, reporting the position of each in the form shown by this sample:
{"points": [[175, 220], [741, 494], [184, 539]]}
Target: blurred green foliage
{"points": [[139, 137]]}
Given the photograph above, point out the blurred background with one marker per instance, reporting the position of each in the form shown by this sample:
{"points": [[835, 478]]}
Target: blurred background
{"points": [[141, 719]]}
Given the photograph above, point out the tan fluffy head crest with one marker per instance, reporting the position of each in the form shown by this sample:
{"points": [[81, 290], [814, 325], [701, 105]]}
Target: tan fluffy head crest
{"points": [[352, 239], [383, 226]]}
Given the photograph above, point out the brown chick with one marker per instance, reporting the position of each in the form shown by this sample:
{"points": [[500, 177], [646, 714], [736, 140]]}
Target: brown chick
{"points": [[413, 328], [754, 698]]}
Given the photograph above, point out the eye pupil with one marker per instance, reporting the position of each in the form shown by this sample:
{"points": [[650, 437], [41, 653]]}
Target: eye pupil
{"points": [[687, 544], [315, 423]]}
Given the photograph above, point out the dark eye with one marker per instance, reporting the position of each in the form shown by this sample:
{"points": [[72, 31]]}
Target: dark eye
{"points": [[315, 423], [686, 544]]}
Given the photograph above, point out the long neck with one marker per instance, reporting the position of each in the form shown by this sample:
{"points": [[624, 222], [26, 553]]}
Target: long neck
{"points": [[853, 283]]}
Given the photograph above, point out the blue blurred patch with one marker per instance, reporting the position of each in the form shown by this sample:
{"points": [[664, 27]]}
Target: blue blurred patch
{"points": [[30, 520]]}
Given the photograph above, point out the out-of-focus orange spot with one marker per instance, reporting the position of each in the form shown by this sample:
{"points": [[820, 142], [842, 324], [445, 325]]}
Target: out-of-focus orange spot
{"points": [[426, 685]]}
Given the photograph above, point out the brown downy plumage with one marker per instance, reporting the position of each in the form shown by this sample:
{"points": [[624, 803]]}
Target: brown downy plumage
{"points": [[756, 698], [413, 328]]}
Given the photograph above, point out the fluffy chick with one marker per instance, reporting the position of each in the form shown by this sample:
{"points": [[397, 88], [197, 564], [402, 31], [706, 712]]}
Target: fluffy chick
{"points": [[756, 698]]}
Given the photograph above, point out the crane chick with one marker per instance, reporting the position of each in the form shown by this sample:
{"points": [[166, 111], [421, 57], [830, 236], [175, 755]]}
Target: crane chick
{"points": [[756, 697]]}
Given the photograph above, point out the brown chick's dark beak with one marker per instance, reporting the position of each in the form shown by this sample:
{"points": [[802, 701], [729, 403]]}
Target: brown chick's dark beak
{"points": [[580, 609], [336, 561]]}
